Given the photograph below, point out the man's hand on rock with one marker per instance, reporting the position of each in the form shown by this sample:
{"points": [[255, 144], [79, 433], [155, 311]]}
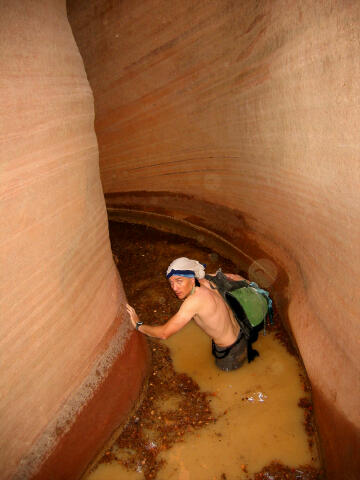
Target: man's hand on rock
{"points": [[133, 315]]}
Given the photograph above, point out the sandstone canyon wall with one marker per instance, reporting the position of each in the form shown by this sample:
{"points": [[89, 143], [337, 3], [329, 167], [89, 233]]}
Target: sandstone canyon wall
{"points": [[249, 108], [63, 337]]}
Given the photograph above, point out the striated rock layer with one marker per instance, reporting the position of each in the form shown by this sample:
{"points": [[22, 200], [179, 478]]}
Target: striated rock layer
{"points": [[252, 106], [63, 333]]}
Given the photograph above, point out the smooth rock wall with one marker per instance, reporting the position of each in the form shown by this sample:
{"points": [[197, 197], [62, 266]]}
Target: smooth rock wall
{"points": [[61, 299], [253, 106]]}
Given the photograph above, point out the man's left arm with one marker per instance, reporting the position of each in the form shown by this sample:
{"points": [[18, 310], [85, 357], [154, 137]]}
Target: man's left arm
{"points": [[232, 276]]}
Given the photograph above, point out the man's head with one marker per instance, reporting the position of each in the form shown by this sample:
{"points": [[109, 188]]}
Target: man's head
{"points": [[182, 274]]}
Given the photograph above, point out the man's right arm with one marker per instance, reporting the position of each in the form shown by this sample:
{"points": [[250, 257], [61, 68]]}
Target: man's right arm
{"points": [[176, 322]]}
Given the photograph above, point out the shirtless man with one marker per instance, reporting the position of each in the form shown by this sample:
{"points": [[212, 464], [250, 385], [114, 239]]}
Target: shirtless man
{"points": [[206, 306]]}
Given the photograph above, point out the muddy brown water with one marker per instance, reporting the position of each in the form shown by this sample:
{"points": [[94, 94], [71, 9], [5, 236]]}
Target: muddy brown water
{"points": [[197, 422]]}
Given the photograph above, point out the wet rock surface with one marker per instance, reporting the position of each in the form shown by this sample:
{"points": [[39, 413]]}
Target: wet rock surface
{"points": [[174, 405]]}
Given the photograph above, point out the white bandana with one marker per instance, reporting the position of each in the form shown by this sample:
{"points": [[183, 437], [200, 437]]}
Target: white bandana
{"points": [[185, 267]]}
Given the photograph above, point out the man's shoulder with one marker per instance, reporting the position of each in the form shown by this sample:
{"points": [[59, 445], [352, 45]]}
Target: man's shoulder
{"points": [[205, 286], [198, 296], [191, 304], [204, 282], [205, 292]]}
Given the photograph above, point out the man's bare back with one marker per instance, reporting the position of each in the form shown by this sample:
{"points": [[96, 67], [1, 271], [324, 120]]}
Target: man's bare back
{"points": [[213, 315]]}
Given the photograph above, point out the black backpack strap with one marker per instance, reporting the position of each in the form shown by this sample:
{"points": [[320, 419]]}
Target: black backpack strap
{"points": [[225, 284]]}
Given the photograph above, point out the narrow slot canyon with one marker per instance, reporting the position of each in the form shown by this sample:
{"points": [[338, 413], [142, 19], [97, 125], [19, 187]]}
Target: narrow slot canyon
{"points": [[234, 124], [194, 420]]}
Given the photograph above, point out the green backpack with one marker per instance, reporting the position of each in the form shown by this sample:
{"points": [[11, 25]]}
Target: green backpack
{"points": [[252, 302], [249, 303]]}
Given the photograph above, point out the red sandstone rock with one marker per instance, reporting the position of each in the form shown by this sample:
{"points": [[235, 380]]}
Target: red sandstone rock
{"points": [[61, 300], [252, 106]]}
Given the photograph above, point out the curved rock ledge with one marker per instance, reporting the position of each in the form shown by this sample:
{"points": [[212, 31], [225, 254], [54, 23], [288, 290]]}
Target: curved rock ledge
{"points": [[226, 231]]}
